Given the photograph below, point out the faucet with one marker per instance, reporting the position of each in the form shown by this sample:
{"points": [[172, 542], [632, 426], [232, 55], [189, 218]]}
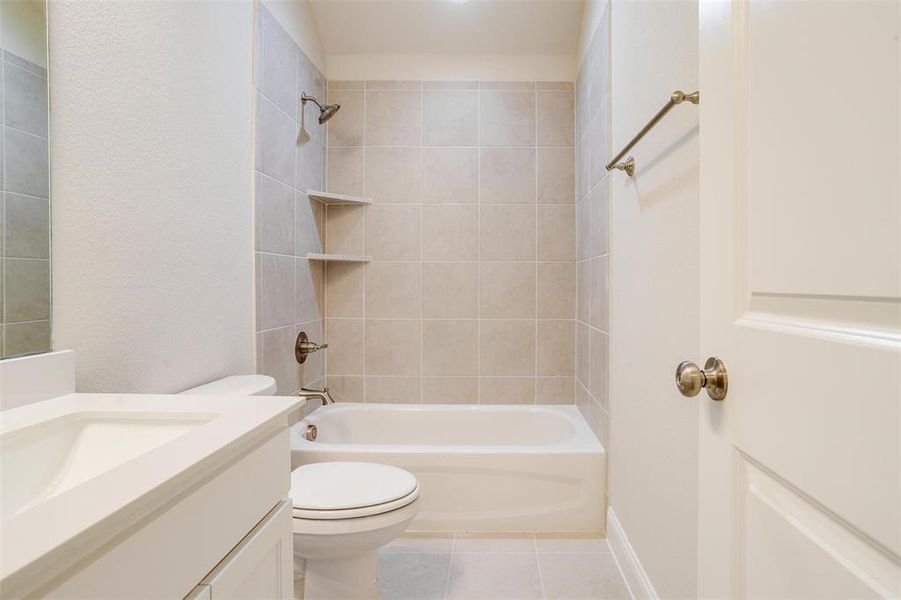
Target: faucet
{"points": [[322, 394]]}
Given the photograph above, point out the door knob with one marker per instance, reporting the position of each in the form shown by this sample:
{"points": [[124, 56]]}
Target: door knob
{"points": [[690, 378]]}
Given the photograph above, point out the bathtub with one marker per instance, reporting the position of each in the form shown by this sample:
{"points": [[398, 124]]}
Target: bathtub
{"points": [[482, 468]]}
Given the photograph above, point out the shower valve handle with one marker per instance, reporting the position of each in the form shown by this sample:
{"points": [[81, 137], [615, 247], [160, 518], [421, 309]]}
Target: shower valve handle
{"points": [[304, 346]]}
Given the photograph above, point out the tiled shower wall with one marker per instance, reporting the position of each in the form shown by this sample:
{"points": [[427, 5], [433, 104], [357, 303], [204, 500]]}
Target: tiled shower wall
{"points": [[289, 160], [470, 295], [593, 256], [24, 209]]}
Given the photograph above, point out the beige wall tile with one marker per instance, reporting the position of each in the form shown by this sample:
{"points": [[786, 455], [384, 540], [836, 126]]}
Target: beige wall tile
{"points": [[393, 118], [556, 290], [393, 390], [337, 84], [507, 347], [345, 229], [345, 286], [583, 291], [450, 175], [308, 289], [278, 359], [345, 346], [507, 175], [597, 238], [345, 388], [393, 290], [507, 232], [506, 390], [556, 232], [555, 390], [507, 290], [598, 366], [347, 128], [450, 289], [277, 296], [583, 229], [450, 390], [393, 174], [555, 119], [598, 307], [345, 171], [449, 347], [393, 347], [558, 86], [450, 232], [450, 85], [556, 347], [507, 85], [556, 175], [450, 118], [393, 232], [393, 84], [507, 118], [582, 355]]}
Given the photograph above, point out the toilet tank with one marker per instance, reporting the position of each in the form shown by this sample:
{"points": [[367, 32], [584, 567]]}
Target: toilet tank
{"points": [[237, 385]]}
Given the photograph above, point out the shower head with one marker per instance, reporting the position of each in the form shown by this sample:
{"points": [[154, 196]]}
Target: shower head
{"points": [[326, 112]]}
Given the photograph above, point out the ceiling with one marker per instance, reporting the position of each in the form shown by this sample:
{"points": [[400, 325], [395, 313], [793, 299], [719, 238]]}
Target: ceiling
{"points": [[448, 26]]}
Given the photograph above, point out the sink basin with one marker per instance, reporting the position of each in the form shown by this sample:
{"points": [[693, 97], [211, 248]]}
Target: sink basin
{"points": [[51, 457]]}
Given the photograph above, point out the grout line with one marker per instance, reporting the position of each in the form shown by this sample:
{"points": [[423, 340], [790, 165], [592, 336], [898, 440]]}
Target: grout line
{"points": [[535, 268]]}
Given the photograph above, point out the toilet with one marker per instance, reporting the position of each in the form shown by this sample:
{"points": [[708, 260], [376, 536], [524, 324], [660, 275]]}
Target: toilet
{"points": [[238, 385], [343, 512]]}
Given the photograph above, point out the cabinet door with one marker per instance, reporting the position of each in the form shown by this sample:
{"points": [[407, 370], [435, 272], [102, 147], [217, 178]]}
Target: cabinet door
{"points": [[261, 566]]}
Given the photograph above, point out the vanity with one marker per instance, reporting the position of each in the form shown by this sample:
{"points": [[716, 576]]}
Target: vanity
{"points": [[146, 496]]}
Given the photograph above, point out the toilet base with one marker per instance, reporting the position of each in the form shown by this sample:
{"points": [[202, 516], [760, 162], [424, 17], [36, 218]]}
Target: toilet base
{"points": [[347, 578]]}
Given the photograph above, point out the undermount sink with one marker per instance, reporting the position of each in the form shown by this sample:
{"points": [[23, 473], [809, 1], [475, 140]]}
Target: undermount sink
{"points": [[51, 457]]}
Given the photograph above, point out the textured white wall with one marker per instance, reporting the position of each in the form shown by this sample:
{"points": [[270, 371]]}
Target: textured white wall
{"points": [[151, 160], [655, 270]]}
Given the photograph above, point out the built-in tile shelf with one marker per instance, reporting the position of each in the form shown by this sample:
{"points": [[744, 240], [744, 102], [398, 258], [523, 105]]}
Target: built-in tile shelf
{"points": [[338, 257], [330, 198]]}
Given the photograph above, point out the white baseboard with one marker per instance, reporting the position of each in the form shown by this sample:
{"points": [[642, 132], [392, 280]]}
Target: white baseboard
{"points": [[637, 579]]}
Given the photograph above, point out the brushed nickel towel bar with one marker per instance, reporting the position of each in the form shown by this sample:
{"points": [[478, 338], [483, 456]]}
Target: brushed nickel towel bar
{"points": [[628, 166]]}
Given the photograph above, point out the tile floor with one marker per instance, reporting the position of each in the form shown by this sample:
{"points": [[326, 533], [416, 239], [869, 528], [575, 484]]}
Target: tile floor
{"points": [[496, 567]]}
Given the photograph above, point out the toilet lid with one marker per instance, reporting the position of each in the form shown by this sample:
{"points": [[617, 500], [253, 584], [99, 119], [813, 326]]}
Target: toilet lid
{"points": [[332, 490]]}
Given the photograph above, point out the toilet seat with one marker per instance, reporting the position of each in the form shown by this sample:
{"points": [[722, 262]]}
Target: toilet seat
{"points": [[347, 490]]}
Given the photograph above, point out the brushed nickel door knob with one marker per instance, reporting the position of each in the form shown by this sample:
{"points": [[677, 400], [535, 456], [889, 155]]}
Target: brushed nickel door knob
{"points": [[690, 378]]}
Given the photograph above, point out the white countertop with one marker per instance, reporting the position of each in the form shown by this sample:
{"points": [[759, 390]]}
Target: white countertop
{"points": [[100, 507]]}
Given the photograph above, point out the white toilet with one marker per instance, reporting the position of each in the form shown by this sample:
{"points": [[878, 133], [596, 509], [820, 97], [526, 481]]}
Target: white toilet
{"points": [[238, 385], [343, 511]]}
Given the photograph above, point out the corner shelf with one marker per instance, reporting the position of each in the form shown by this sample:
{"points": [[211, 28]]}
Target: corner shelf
{"points": [[338, 257], [330, 198]]}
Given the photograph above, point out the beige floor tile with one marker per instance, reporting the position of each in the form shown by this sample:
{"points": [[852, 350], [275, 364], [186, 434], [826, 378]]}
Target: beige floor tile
{"points": [[582, 577], [485, 576]]}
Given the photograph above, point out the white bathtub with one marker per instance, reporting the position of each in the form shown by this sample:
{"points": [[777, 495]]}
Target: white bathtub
{"points": [[481, 468]]}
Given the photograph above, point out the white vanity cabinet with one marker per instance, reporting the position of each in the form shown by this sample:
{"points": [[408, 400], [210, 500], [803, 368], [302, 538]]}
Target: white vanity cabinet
{"points": [[259, 567], [230, 532], [206, 515]]}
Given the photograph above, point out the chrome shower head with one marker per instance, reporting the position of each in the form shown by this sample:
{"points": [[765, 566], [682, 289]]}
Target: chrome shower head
{"points": [[326, 112]]}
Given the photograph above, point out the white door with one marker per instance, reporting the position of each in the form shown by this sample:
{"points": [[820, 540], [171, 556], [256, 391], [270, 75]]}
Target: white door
{"points": [[800, 465]]}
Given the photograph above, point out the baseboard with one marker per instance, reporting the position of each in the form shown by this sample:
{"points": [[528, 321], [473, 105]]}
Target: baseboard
{"points": [[637, 579]]}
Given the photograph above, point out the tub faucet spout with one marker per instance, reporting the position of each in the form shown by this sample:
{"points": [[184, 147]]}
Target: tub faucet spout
{"points": [[322, 394]]}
